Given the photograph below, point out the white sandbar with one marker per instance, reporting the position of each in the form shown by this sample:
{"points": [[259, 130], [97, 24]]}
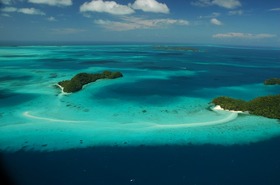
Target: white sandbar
{"points": [[27, 114], [230, 117]]}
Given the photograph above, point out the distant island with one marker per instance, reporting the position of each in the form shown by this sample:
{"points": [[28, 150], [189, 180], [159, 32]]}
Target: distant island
{"points": [[81, 79], [267, 106], [176, 48], [272, 81]]}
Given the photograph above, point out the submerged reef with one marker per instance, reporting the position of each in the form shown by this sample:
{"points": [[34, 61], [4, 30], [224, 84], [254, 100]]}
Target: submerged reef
{"points": [[272, 81], [81, 79], [267, 106]]}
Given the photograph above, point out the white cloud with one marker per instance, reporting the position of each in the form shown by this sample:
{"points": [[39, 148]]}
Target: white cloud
{"points": [[244, 35], [235, 12], [52, 2], [274, 9], [150, 6], [229, 4], [31, 11], [110, 7], [216, 22], [132, 23], [28, 11]]}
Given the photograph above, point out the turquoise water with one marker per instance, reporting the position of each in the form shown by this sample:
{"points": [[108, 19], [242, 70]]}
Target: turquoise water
{"points": [[163, 98]]}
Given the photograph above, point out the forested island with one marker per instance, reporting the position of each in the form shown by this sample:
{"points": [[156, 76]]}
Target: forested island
{"points": [[78, 81], [272, 81], [267, 106]]}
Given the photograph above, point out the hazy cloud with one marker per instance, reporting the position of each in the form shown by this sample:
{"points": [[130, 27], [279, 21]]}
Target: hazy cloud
{"points": [[235, 12], [150, 6], [52, 2], [202, 3], [216, 22], [244, 35], [28, 11], [9, 9], [51, 19], [5, 15], [117, 25], [63, 31], [274, 9], [6, 2], [229, 4], [213, 15], [133, 23], [110, 7]]}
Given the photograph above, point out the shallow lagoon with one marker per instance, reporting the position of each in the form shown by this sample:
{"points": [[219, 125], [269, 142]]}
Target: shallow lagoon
{"points": [[163, 98]]}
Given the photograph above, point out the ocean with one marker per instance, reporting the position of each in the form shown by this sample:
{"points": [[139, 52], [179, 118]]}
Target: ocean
{"points": [[155, 125]]}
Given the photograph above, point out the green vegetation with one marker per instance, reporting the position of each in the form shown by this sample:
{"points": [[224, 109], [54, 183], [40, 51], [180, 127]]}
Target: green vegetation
{"points": [[81, 79], [229, 103], [267, 106], [272, 81]]}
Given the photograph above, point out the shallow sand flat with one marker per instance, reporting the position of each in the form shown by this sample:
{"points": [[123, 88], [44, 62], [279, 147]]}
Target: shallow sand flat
{"points": [[45, 133]]}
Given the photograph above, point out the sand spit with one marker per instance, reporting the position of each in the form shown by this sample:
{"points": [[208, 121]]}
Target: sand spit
{"points": [[230, 117], [27, 114], [61, 88]]}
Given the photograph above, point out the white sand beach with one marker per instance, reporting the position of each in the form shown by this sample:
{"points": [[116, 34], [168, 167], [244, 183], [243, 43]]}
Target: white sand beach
{"points": [[218, 107]]}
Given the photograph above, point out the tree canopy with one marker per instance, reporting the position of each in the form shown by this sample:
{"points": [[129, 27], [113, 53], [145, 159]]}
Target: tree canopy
{"points": [[78, 81]]}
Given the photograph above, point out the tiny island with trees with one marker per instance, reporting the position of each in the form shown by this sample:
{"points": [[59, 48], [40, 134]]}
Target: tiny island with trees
{"points": [[272, 81], [267, 106], [78, 81]]}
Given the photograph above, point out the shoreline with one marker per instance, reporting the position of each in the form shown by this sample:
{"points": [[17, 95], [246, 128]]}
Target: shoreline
{"points": [[219, 108], [61, 88]]}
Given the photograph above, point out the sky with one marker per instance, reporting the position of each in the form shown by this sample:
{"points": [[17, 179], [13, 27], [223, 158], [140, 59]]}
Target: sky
{"points": [[227, 22]]}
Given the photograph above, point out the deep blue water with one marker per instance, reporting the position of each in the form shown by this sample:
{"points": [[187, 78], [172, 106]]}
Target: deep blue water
{"points": [[255, 164]]}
